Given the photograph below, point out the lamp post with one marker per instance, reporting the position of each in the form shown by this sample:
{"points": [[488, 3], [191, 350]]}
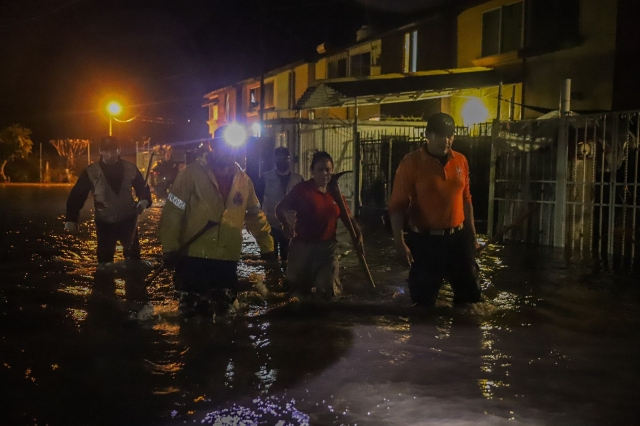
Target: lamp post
{"points": [[113, 108]]}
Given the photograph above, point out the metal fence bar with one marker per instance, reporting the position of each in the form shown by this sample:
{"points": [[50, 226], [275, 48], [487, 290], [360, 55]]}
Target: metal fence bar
{"points": [[561, 185], [601, 183], [612, 181], [635, 190], [492, 181]]}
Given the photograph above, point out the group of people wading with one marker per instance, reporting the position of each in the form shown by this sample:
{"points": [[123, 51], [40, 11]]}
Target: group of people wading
{"points": [[293, 220]]}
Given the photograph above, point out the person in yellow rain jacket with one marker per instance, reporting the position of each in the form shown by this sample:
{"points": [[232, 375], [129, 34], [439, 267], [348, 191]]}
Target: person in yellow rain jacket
{"points": [[213, 188]]}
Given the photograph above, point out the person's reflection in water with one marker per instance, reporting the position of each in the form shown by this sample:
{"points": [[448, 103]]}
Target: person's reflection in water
{"points": [[125, 284], [454, 349], [110, 364]]}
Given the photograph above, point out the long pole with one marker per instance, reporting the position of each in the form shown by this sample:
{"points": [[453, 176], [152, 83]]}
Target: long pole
{"points": [[88, 152], [110, 126], [334, 189], [40, 161], [561, 167]]}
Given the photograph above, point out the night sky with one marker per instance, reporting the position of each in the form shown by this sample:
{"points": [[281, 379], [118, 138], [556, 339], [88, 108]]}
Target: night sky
{"points": [[62, 60]]}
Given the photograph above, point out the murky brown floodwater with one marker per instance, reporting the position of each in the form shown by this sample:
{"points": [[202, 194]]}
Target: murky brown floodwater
{"points": [[552, 345]]}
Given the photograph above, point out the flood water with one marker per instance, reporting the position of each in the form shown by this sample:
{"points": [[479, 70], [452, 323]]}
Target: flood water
{"points": [[551, 345]]}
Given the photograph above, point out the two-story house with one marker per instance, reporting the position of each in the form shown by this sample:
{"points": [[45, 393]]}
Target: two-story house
{"points": [[536, 44]]}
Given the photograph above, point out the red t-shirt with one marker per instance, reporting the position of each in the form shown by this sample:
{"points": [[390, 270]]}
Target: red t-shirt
{"points": [[317, 213]]}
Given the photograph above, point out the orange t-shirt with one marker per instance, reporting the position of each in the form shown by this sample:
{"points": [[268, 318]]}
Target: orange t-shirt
{"points": [[433, 194]]}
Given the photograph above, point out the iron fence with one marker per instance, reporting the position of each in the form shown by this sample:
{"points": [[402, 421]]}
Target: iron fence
{"points": [[582, 172]]}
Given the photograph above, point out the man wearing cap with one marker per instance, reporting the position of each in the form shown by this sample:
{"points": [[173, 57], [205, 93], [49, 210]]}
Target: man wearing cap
{"points": [[110, 180], [271, 189], [431, 188], [212, 188]]}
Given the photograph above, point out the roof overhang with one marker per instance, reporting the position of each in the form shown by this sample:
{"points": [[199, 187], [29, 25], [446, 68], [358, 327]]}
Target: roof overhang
{"points": [[393, 88]]}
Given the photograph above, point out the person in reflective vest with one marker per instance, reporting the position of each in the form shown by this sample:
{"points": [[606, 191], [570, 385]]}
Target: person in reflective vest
{"points": [[271, 189], [213, 188], [110, 180]]}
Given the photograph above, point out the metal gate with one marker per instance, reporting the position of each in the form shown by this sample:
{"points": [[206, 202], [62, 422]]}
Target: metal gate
{"points": [[582, 173], [380, 154], [382, 150], [337, 140]]}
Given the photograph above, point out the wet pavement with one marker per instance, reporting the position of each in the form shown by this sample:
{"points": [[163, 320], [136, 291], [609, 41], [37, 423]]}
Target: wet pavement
{"points": [[551, 344]]}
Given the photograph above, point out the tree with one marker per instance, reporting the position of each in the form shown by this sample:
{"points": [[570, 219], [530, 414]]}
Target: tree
{"points": [[15, 142], [69, 149]]}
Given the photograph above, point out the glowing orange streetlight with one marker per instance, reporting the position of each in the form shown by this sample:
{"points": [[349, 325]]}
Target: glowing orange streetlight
{"points": [[113, 108]]}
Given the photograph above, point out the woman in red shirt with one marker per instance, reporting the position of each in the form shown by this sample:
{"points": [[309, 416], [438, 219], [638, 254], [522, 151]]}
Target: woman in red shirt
{"points": [[313, 264]]}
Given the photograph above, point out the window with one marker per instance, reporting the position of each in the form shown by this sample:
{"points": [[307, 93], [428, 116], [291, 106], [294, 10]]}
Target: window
{"points": [[227, 109], [338, 68], [214, 113], [254, 97], [410, 52], [502, 30], [361, 65]]}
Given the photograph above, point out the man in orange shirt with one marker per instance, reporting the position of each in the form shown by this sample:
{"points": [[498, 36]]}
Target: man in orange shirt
{"points": [[431, 187]]}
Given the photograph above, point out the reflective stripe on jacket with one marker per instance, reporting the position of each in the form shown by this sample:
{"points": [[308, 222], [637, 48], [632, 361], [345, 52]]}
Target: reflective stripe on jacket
{"points": [[195, 199], [273, 194], [109, 206]]}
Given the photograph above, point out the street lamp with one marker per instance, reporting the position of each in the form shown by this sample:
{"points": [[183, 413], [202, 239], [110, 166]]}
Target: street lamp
{"points": [[113, 108]]}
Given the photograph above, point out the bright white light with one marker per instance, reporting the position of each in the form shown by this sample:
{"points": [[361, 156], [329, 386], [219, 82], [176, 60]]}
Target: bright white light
{"points": [[235, 135], [114, 108], [256, 129], [474, 112]]}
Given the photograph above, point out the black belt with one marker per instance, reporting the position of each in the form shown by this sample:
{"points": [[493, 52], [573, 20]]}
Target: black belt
{"points": [[443, 232]]}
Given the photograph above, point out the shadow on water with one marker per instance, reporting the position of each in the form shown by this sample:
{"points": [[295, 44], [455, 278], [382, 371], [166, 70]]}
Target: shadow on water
{"points": [[550, 344]]}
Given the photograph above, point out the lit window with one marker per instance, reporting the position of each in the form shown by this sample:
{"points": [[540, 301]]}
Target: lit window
{"points": [[410, 52], [214, 112], [254, 97]]}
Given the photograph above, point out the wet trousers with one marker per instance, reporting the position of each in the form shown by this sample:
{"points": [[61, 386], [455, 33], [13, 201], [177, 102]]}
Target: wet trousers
{"points": [[216, 280], [110, 233], [280, 243], [313, 264], [443, 257]]}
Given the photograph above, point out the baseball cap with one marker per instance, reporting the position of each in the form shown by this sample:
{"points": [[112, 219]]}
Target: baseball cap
{"points": [[109, 143], [441, 124]]}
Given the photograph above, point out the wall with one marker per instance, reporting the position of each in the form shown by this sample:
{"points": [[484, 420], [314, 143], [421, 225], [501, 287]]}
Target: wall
{"points": [[589, 64], [626, 85]]}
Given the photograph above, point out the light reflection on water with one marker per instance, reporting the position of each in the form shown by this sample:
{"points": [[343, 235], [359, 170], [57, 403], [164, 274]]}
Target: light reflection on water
{"points": [[549, 344]]}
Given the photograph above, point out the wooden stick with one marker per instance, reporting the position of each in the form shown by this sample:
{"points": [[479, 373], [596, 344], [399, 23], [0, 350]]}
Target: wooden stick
{"points": [[334, 190]]}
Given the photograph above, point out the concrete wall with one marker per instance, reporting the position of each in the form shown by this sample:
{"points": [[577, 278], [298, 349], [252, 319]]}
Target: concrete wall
{"points": [[589, 64]]}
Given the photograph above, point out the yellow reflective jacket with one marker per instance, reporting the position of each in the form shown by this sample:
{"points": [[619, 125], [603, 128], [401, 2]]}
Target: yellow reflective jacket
{"points": [[195, 199]]}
